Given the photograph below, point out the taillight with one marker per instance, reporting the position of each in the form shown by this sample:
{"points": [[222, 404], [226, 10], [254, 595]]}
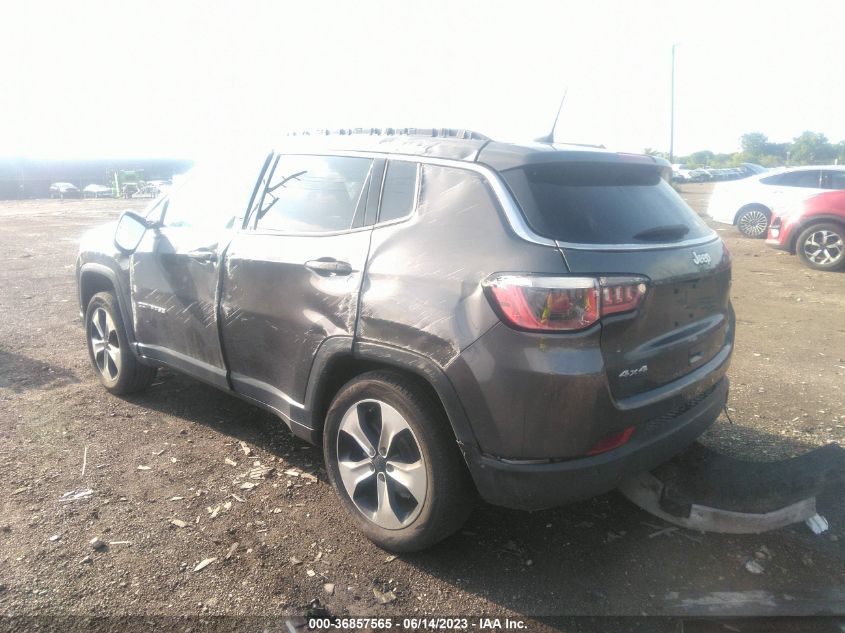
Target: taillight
{"points": [[621, 294], [541, 303]]}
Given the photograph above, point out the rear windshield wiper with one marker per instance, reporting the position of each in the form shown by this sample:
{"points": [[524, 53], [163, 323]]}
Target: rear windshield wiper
{"points": [[667, 232]]}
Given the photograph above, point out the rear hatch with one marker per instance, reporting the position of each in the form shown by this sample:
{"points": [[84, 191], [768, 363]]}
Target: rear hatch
{"points": [[622, 218]]}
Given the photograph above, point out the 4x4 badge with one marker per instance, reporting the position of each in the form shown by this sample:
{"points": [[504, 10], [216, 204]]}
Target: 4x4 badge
{"points": [[628, 373], [700, 259]]}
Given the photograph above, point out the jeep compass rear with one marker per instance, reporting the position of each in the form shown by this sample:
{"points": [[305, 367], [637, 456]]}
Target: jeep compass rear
{"points": [[612, 366], [445, 314]]}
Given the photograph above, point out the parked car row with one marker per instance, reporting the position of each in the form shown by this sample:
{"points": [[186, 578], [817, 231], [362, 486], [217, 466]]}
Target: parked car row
{"points": [[799, 209], [748, 204], [708, 174], [150, 189]]}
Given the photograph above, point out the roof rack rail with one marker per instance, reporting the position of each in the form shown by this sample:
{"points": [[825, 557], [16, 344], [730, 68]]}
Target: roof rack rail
{"points": [[400, 131], [601, 146]]}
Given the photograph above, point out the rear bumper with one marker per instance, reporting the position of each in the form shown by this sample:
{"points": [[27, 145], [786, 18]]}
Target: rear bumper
{"points": [[534, 486]]}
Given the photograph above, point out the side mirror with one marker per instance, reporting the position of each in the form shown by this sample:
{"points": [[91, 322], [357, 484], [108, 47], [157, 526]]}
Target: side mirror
{"points": [[130, 229]]}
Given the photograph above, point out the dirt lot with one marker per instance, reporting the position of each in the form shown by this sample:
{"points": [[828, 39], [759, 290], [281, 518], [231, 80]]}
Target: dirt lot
{"points": [[174, 453]]}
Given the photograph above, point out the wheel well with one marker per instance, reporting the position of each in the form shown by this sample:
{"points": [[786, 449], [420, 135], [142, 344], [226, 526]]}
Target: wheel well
{"points": [[755, 205], [793, 245], [91, 284], [344, 368]]}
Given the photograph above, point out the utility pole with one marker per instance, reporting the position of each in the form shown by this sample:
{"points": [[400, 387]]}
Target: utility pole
{"points": [[672, 112]]}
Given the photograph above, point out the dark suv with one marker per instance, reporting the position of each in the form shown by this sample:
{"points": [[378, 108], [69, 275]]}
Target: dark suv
{"points": [[445, 314]]}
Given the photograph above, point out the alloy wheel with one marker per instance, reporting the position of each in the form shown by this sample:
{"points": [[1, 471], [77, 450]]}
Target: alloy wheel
{"points": [[823, 247], [753, 223], [105, 344], [381, 465]]}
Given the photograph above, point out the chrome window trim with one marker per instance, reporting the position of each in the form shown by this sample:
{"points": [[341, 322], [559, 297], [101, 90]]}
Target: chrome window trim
{"points": [[279, 233], [506, 201], [417, 185], [705, 239], [513, 212]]}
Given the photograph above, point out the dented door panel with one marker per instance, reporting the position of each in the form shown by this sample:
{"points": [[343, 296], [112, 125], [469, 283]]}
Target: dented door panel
{"points": [[276, 311], [174, 300]]}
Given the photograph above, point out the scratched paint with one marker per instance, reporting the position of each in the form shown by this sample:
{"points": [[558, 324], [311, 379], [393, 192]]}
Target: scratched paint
{"points": [[276, 312], [431, 262]]}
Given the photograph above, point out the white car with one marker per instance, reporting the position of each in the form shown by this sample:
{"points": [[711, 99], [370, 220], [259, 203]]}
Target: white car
{"points": [[97, 191], [63, 190], [748, 203]]}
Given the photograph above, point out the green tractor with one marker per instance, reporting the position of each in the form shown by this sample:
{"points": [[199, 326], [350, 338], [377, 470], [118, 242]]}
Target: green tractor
{"points": [[131, 184]]}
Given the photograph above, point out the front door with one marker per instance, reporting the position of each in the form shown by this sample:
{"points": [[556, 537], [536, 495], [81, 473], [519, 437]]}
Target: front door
{"points": [[292, 276], [175, 272]]}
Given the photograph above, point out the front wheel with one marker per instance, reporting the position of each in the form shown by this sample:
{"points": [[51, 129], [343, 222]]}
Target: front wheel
{"points": [[117, 367], [394, 462], [753, 221], [822, 246]]}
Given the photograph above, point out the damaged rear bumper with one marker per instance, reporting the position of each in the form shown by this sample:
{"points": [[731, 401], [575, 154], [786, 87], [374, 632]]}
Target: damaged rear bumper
{"points": [[534, 486], [702, 489]]}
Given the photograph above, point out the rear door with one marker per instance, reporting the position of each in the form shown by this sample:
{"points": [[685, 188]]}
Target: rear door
{"points": [[292, 275], [833, 178], [624, 219], [791, 187]]}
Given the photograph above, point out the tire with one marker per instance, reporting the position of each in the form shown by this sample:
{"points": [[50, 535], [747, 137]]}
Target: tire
{"points": [[822, 246], [115, 363], [753, 221], [415, 493]]}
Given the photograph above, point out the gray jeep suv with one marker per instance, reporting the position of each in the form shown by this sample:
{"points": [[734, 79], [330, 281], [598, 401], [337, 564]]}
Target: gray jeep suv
{"points": [[447, 315]]}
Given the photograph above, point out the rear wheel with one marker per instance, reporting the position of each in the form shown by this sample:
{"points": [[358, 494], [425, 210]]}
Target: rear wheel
{"points": [[116, 365], [822, 246], [753, 221], [394, 462]]}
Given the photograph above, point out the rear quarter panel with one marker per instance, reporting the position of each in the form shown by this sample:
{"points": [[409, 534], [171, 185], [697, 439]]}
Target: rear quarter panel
{"points": [[422, 288]]}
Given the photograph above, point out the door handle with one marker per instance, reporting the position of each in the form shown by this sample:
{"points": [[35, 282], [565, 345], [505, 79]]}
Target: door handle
{"points": [[328, 267], [203, 255]]}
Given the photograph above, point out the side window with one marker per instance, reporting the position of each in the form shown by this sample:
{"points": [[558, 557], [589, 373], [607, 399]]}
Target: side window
{"points": [[313, 194], [771, 180], [834, 179], [211, 195], [400, 190], [807, 178]]}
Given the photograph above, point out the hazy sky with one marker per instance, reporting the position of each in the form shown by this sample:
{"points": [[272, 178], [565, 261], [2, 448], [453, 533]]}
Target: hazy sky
{"points": [[175, 78]]}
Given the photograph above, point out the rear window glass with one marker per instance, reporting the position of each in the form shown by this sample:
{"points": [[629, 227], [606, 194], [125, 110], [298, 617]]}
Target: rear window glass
{"points": [[593, 203]]}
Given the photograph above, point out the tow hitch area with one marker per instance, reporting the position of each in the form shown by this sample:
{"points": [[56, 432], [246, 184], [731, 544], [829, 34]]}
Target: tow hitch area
{"points": [[704, 490]]}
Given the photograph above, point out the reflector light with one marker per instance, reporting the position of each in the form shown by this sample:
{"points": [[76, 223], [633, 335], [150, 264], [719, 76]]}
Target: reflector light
{"points": [[609, 442]]}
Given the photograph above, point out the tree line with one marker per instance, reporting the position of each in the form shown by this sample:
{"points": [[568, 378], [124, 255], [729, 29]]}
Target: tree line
{"points": [[809, 148]]}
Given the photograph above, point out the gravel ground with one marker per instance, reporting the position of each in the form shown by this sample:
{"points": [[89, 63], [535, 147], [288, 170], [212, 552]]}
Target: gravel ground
{"points": [[165, 469]]}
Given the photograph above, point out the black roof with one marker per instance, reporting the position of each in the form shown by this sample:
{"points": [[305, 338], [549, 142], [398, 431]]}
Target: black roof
{"points": [[464, 145]]}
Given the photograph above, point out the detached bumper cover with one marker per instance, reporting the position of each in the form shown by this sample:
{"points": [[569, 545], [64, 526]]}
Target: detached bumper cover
{"points": [[702, 489], [534, 486]]}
